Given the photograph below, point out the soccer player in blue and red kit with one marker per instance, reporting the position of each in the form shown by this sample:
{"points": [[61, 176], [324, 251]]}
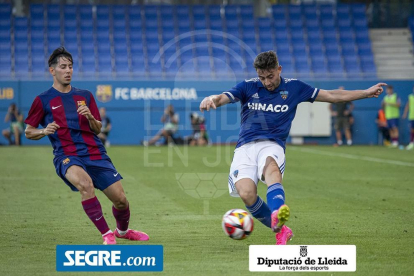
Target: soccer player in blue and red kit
{"points": [[70, 119], [269, 105]]}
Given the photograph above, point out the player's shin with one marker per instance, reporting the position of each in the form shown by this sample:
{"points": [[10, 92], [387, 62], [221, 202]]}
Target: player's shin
{"points": [[260, 211], [93, 209], [275, 196], [122, 219]]}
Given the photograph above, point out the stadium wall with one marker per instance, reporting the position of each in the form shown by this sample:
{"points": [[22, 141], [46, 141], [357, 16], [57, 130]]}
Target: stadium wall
{"points": [[135, 107]]}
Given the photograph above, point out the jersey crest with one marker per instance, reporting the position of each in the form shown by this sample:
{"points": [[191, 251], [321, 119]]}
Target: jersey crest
{"points": [[284, 94]]}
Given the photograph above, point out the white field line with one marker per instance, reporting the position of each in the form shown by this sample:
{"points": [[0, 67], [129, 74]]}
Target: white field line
{"points": [[355, 157]]}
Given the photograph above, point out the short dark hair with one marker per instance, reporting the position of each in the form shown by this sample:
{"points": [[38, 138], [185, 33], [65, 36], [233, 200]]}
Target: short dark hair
{"points": [[266, 60], [59, 52]]}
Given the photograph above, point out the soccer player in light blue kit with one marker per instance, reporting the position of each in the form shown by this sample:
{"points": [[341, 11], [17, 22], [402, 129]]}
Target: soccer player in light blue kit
{"points": [[269, 105]]}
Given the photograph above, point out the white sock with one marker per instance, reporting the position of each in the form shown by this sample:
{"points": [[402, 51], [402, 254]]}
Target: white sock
{"points": [[349, 142], [109, 231], [339, 142], [121, 232]]}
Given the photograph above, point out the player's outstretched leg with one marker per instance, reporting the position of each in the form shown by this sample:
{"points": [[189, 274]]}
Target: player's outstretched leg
{"points": [[260, 211], [122, 222], [93, 209], [276, 202], [120, 210]]}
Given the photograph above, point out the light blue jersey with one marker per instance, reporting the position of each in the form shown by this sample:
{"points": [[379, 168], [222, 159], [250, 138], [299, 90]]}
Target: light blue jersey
{"points": [[268, 115]]}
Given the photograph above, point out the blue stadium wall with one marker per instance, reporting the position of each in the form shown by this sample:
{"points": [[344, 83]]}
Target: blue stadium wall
{"points": [[135, 107]]}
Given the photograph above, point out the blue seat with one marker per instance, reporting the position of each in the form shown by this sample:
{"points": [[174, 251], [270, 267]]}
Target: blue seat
{"points": [[202, 51], [134, 11], [214, 10], [199, 10], [342, 8], [327, 22], [204, 66], [184, 29], [104, 67], [279, 11], [200, 24], [119, 11], [246, 11], [185, 41], [344, 22], [360, 22], [319, 69], [137, 49], [185, 57], [316, 52], [201, 38], [187, 70], [326, 9]]}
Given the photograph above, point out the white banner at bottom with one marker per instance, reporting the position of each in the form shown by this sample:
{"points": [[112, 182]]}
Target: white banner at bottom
{"points": [[302, 258]]}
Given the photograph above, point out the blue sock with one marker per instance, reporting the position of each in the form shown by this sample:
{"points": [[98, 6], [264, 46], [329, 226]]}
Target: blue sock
{"points": [[275, 196], [261, 211]]}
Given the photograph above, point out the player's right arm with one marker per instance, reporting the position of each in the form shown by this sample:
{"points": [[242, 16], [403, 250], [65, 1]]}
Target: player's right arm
{"points": [[214, 101], [34, 133], [36, 115]]}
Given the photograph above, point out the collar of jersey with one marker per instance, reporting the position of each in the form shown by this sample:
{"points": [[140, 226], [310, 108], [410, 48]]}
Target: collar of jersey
{"points": [[281, 86], [57, 91]]}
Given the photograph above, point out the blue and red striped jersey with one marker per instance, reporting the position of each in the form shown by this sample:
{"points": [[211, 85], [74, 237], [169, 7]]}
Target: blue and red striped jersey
{"points": [[74, 137]]}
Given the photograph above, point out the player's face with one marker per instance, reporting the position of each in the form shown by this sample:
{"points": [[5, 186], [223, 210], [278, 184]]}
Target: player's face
{"points": [[270, 78], [63, 71], [390, 90]]}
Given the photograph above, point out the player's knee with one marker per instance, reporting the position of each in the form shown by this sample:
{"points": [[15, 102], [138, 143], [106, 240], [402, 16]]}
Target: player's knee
{"points": [[247, 195], [86, 187], [121, 202]]}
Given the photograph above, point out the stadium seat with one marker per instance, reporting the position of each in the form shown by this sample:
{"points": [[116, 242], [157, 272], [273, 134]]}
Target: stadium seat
{"points": [[279, 11]]}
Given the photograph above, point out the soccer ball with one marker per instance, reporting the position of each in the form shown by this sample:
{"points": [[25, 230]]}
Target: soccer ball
{"points": [[237, 224]]}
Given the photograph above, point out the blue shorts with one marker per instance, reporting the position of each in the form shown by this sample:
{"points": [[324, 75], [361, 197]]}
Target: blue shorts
{"points": [[412, 124], [392, 123], [102, 172]]}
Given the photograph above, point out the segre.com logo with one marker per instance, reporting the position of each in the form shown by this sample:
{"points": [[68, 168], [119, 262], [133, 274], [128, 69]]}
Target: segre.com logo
{"points": [[109, 257]]}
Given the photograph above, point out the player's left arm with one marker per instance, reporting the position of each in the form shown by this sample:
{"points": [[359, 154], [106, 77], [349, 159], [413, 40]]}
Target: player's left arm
{"points": [[92, 114], [338, 95], [94, 124]]}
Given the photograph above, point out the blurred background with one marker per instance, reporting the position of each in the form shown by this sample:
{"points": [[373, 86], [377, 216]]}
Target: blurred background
{"points": [[137, 57]]}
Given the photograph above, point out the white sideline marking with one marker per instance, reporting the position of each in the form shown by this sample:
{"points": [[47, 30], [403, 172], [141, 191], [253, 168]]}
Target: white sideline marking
{"points": [[356, 157]]}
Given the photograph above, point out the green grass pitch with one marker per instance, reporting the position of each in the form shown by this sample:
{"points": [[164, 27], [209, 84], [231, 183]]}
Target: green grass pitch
{"points": [[348, 195]]}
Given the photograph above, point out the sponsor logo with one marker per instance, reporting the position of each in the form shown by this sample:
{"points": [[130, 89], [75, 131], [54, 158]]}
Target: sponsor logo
{"points": [[6, 93], [109, 258], [268, 107], [54, 107], [236, 173], [104, 93], [302, 258], [284, 94], [81, 103], [99, 218], [289, 80], [303, 251], [116, 174], [66, 161], [256, 96], [155, 93], [252, 80]]}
